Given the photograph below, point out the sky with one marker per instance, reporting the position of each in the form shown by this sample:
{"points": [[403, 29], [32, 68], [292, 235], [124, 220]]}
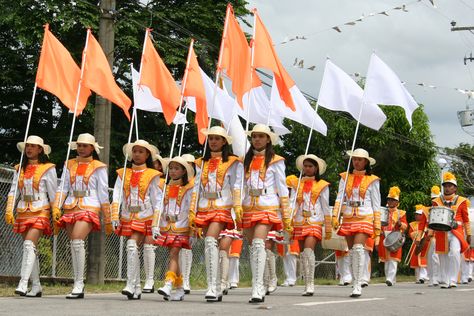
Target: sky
{"points": [[418, 45]]}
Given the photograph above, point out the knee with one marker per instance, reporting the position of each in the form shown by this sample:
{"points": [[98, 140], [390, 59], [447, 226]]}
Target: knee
{"points": [[131, 245]]}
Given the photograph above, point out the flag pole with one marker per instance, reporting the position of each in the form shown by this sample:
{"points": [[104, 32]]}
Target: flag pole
{"points": [[84, 56], [183, 87], [211, 112], [134, 119]]}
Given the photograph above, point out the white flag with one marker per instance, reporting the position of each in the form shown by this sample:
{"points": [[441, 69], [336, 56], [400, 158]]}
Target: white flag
{"points": [[304, 113], [145, 101], [261, 111], [239, 138], [383, 86], [340, 93]]}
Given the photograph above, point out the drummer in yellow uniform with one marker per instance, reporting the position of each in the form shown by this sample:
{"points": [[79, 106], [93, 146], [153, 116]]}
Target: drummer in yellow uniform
{"points": [[397, 223]]}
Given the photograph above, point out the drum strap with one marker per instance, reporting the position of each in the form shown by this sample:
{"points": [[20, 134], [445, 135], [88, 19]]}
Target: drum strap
{"points": [[450, 203]]}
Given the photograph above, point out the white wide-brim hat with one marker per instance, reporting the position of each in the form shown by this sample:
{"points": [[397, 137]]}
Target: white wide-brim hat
{"points": [[189, 158], [185, 164], [164, 161], [361, 153], [321, 163], [128, 148], [86, 138], [34, 140], [219, 131], [262, 128]]}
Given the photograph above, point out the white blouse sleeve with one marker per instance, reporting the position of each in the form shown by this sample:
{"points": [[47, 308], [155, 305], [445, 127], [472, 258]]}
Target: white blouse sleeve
{"points": [[51, 181], [280, 178], [102, 185]]}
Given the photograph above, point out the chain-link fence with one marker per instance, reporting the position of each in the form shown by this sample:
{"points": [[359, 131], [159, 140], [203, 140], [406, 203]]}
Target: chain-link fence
{"points": [[55, 257]]}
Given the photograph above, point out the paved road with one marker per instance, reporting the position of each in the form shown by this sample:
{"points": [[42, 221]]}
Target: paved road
{"points": [[378, 299]]}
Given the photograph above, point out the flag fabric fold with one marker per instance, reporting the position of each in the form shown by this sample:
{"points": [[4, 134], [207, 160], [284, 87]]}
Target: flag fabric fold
{"points": [[98, 76], [59, 74], [339, 92], [158, 79], [194, 87], [235, 56], [264, 55], [145, 101], [383, 86], [304, 112]]}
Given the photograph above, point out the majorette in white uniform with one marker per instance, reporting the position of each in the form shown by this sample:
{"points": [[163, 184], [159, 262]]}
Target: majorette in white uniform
{"points": [[84, 194], [139, 200], [36, 184]]}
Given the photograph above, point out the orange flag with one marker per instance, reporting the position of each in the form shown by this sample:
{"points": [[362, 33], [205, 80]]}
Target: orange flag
{"points": [[235, 57], [58, 73], [99, 78], [194, 87], [264, 55], [157, 77]]}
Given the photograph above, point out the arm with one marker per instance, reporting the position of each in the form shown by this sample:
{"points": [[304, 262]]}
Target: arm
{"points": [[51, 181], [9, 218], [61, 195], [103, 196], [280, 183], [324, 199], [337, 204], [375, 197], [236, 181], [117, 195]]}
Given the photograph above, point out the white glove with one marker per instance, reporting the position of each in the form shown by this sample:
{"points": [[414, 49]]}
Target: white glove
{"points": [[115, 224], [155, 232]]}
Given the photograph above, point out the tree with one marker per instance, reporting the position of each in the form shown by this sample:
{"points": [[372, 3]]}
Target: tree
{"points": [[462, 164]]}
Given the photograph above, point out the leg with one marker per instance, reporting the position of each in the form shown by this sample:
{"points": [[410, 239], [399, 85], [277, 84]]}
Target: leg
{"points": [[185, 262], [211, 255], [257, 261], [365, 277], [309, 264], [346, 270], [224, 246], [149, 265], [391, 272], [178, 280], [29, 259], [358, 242], [78, 232], [234, 272], [454, 259], [270, 277], [133, 265]]}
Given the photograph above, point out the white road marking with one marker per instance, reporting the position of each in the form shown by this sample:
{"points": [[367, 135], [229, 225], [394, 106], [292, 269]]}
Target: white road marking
{"points": [[340, 302], [465, 290]]}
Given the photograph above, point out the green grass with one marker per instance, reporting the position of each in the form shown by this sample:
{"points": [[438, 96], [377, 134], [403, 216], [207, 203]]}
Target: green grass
{"points": [[115, 287]]}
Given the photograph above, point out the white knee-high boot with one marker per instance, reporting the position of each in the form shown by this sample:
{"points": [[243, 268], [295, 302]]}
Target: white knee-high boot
{"points": [[309, 265], [224, 269], [27, 262], [78, 260], [185, 262], [36, 290], [234, 272], [357, 266], [212, 267], [133, 264], [149, 265], [273, 280], [257, 263]]}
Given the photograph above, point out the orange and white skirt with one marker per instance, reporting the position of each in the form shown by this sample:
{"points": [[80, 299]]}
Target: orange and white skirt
{"points": [[26, 220], [232, 233], [301, 232], [352, 228], [126, 228], [172, 240], [266, 217], [70, 217], [205, 218]]}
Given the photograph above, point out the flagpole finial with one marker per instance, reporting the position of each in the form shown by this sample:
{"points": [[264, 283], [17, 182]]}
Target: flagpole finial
{"points": [[328, 58], [254, 11], [46, 26]]}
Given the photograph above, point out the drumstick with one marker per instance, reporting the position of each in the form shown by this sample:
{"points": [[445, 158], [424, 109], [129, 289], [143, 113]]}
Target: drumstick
{"points": [[410, 253]]}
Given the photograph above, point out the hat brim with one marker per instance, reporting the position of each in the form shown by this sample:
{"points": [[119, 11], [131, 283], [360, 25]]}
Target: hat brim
{"points": [[97, 148], [21, 147], [450, 181], [185, 164], [321, 163], [206, 133], [273, 136], [371, 160], [127, 150]]}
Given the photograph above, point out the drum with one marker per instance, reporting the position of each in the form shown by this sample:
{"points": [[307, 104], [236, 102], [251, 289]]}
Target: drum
{"points": [[384, 213], [335, 243], [394, 240], [441, 218]]}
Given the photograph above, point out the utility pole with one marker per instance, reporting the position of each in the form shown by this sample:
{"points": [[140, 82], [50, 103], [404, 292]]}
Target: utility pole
{"points": [[463, 28], [102, 122]]}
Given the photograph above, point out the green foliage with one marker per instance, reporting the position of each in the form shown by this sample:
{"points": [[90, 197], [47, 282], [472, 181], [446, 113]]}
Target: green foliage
{"points": [[462, 166]]}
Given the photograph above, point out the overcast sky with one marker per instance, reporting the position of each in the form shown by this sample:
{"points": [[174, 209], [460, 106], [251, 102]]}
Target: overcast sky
{"points": [[418, 45]]}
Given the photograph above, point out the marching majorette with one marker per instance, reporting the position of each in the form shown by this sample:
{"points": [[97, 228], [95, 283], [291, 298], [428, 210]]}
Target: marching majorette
{"points": [[418, 260], [467, 262], [360, 211], [397, 221], [217, 190], [172, 224], [265, 194], [186, 255], [137, 190], [450, 245], [35, 181], [149, 255], [311, 212], [83, 193]]}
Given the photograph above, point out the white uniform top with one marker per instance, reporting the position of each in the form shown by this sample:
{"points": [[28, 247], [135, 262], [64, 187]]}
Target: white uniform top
{"points": [[274, 182], [224, 183], [43, 195], [96, 186], [175, 212], [317, 210], [148, 204], [370, 203]]}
